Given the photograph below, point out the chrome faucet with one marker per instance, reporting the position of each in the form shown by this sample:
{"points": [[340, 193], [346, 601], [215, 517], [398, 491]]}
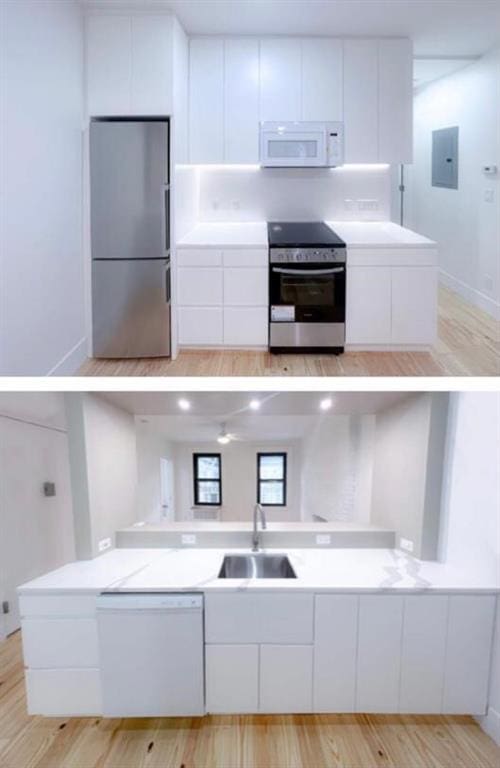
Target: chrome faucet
{"points": [[258, 510]]}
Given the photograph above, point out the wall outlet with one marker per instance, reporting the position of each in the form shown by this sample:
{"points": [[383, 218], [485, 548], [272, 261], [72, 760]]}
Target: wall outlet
{"points": [[323, 539], [49, 489], [104, 544], [367, 205], [406, 544], [188, 539], [489, 196]]}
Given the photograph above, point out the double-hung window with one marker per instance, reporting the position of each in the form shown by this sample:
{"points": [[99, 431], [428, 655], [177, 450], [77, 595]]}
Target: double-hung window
{"points": [[207, 479], [271, 479]]}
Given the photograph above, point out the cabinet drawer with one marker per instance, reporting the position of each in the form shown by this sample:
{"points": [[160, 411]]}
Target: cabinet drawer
{"points": [[246, 286], [63, 692], [251, 618], [286, 678], [62, 606], [246, 257], [60, 643], [232, 678], [199, 287], [199, 257], [200, 325], [246, 326]]}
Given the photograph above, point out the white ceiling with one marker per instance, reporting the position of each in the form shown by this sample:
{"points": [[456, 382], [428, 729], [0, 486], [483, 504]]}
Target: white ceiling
{"points": [[225, 405], [437, 27], [427, 70]]}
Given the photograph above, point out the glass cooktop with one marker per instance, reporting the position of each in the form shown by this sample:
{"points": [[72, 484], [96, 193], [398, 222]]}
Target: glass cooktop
{"points": [[302, 234]]}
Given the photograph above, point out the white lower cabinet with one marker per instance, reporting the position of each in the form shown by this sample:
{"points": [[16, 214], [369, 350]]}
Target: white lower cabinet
{"points": [[286, 678], [232, 678], [335, 639], [59, 643], [200, 325], [199, 286], [245, 287], [61, 692], [414, 305], [423, 654], [246, 326], [368, 305], [468, 654], [379, 653]]}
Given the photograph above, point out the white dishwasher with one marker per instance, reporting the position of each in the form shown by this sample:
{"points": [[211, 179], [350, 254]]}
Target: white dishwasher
{"points": [[151, 654]]}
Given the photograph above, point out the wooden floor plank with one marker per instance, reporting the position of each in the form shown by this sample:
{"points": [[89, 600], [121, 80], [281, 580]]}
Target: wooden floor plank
{"points": [[249, 741], [468, 345]]}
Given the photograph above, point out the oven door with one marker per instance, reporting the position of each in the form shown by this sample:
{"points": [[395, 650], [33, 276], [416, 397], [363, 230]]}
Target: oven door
{"points": [[309, 293], [293, 149]]}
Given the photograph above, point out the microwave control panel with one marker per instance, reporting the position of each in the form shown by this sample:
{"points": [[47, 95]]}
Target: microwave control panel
{"points": [[335, 143]]}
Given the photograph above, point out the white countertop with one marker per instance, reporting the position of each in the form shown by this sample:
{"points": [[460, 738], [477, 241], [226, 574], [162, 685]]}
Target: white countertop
{"points": [[356, 234], [318, 570]]}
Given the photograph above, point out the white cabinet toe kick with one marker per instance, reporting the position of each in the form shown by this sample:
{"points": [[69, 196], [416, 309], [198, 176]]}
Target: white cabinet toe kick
{"points": [[286, 652]]}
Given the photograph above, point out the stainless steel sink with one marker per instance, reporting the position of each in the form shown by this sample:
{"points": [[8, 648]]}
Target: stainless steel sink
{"points": [[256, 567]]}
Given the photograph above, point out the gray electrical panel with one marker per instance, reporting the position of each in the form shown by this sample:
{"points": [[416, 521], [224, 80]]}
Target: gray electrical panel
{"points": [[445, 158]]}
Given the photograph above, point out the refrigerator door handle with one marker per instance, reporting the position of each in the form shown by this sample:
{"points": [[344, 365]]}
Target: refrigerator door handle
{"points": [[166, 217], [168, 292]]}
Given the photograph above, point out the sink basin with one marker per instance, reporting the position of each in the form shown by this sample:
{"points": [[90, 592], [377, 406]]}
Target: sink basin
{"points": [[256, 566]]}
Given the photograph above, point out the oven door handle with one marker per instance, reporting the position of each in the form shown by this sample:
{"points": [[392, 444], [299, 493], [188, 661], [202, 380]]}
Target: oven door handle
{"points": [[282, 271]]}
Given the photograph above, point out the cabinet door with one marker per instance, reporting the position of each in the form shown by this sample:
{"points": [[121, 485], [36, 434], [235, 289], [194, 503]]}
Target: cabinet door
{"points": [[58, 643], [468, 654], [151, 87], [286, 678], [200, 325], [199, 287], [414, 305], [241, 101], [368, 305], [246, 286], [361, 101], [395, 101], [108, 58], [423, 654], [232, 678], [280, 79], [206, 101], [246, 326], [63, 692], [379, 653], [335, 640], [322, 79]]}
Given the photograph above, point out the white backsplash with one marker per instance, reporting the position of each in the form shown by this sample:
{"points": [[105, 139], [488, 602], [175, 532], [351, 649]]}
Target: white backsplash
{"points": [[360, 193]]}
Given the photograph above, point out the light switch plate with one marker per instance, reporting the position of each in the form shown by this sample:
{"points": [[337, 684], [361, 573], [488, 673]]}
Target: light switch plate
{"points": [[189, 539], [406, 544], [323, 539]]}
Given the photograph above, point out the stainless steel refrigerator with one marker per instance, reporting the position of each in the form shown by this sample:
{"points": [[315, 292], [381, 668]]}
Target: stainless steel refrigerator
{"points": [[130, 237]]}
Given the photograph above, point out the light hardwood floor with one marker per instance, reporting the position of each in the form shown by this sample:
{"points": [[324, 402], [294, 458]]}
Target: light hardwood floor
{"points": [[468, 345], [291, 741]]}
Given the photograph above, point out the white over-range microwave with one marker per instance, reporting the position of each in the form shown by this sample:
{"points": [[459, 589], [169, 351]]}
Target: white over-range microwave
{"points": [[301, 145]]}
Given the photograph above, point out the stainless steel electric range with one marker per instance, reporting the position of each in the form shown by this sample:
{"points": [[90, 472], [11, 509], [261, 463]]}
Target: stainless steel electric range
{"points": [[307, 288]]}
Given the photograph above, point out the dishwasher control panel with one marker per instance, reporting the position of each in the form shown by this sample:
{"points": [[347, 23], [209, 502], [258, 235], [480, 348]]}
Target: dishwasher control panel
{"points": [[148, 601]]}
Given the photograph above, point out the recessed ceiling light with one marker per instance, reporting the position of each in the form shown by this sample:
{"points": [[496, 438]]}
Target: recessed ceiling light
{"points": [[326, 403], [184, 404], [255, 405]]}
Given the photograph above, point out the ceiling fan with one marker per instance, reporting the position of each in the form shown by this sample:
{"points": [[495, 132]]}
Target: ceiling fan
{"points": [[224, 437]]}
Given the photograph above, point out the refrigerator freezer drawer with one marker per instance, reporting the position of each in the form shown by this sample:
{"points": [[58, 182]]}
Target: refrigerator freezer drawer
{"points": [[131, 308]]}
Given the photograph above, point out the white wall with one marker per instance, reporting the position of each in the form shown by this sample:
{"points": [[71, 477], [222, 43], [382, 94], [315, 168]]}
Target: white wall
{"points": [[239, 479], [260, 194], [41, 266], [151, 448], [337, 464], [470, 533], [36, 532], [103, 460], [466, 227]]}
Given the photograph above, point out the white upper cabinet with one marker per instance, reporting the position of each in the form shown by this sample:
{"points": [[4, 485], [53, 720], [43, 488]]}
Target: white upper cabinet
{"points": [[241, 99], [108, 64], [151, 93], [361, 101], [395, 101], [206, 100], [280, 79], [322, 79], [129, 65]]}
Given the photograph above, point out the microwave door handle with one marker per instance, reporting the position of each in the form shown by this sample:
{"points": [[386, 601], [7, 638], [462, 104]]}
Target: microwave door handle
{"points": [[334, 271]]}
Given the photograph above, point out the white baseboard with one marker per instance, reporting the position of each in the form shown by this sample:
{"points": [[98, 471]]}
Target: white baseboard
{"points": [[72, 360], [472, 295], [490, 723]]}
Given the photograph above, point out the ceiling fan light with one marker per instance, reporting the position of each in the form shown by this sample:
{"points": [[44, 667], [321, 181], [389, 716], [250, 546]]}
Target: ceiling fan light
{"points": [[223, 439]]}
